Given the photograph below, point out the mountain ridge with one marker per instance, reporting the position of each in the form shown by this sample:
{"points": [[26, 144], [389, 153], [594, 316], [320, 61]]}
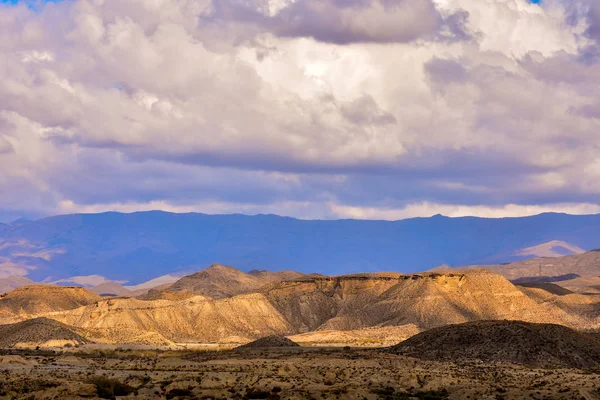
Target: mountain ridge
{"points": [[156, 243]]}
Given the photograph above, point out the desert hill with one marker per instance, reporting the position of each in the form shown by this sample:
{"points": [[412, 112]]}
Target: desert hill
{"points": [[300, 305], [196, 319], [380, 336], [219, 281], [515, 342], [587, 285], [41, 332], [553, 248], [585, 307], [161, 293], [548, 287], [547, 269], [270, 342], [309, 303], [425, 300], [36, 300]]}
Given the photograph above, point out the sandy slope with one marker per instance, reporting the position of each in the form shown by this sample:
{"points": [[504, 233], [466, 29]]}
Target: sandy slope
{"points": [[309, 304], [30, 301], [219, 281], [197, 319], [41, 332]]}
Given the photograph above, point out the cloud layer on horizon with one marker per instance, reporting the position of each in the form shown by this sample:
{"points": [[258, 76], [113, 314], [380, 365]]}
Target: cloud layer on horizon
{"points": [[314, 109]]}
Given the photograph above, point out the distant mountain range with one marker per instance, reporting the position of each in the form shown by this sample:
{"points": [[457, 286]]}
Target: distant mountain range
{"points": [[141, 246], [577, 272]]}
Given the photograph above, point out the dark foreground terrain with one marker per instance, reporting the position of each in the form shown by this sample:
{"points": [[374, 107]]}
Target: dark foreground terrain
{"points": [[278, 373]]}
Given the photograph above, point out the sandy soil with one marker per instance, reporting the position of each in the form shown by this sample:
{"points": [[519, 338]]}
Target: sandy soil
{"points": [[300, 373]]}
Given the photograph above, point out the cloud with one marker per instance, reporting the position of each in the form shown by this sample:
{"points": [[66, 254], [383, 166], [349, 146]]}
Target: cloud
{"points": [[454, 210], [5, 146], [375, 21], [88, 281], [339, 22], [302, 107], [161, 280], [9, 268]]}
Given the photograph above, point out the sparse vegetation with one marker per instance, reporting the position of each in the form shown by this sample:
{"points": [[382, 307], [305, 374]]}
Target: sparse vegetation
{"points": [[495, 359], [389, 393], [179, 393], [107, 388]]}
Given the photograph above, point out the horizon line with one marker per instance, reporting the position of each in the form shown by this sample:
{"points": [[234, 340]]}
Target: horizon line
{"points": [[438, 215]]}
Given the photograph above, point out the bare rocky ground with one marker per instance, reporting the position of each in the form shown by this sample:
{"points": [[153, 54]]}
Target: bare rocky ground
{"points": [[283, 373]]}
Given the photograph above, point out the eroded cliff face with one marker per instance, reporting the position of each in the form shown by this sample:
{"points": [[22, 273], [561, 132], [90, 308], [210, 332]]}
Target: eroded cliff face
{"points": [[343, 303], [425, 300], [433, 300], [192, 320], [309, 303], [30, 301]]}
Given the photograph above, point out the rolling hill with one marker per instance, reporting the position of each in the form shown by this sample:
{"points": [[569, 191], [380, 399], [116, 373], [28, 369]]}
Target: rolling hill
{"points": [[42, 332], [219, 281], [515, 342], [191, 320], [31, 301], [578, 272], [352, 303]]}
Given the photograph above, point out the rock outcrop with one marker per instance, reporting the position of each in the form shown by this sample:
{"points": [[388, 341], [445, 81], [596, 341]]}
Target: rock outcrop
{"points": [[31, 301]]}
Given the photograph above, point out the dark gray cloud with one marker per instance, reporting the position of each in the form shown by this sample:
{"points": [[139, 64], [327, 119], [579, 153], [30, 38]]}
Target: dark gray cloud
{"points": [[593, 19], [345, 22], [5, 146], [445, 71]]}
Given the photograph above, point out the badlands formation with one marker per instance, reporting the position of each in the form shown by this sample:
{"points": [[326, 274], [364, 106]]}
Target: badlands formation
{"points": [[438, 335], [222, 305], [578, 273]]}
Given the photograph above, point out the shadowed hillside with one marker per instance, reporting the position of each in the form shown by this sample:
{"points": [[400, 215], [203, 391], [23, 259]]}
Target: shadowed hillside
{"points": [[516, 342], [270, 342], [41, 332]]}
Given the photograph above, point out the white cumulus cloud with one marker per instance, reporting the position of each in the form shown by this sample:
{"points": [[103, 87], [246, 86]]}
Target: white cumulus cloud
{"points": [[315, 109]]}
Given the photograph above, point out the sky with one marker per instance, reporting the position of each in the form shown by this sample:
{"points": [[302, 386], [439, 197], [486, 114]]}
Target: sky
{"points": [[316, 109]]}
